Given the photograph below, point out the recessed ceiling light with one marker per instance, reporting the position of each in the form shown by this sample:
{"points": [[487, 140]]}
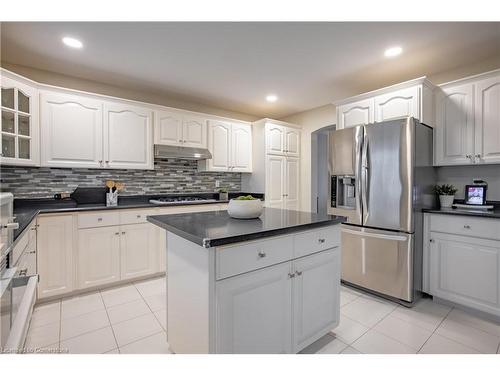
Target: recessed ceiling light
{"points": [[393, 51], [271, 98], [72, 42]]}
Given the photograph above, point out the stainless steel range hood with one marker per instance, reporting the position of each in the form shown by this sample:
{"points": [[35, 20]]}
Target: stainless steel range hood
{"points": [[178, 152]]}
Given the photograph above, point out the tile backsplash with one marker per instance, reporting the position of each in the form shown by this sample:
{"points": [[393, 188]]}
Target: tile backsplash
{"points": [[460, 176], [169, 176]]}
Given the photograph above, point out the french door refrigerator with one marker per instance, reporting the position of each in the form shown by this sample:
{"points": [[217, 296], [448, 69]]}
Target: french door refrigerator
{"points": [[391, 163]]}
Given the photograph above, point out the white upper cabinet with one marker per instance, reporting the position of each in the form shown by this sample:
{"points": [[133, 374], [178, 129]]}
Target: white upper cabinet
{"points": [[400, 103], [354, 114], [454, 133], [292, 142], [231, 147], [168, 128], [468, 121], [180, 129], [412, 98], [128, 138], [71, 131], [487, 140], [19, 125], [282, 140]]}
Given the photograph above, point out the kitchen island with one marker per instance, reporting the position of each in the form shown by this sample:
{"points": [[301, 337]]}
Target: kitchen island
{"points": [[266, 285]]}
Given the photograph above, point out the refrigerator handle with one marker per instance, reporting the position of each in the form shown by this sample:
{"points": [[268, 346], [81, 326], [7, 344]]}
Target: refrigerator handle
{"points": [[364, 177], [391, 237]]}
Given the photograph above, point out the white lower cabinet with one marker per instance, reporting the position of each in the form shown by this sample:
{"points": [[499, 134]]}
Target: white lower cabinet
{"points": [[139, 254], [55, 255], [316, 287], [281, 308], [98, 256]]}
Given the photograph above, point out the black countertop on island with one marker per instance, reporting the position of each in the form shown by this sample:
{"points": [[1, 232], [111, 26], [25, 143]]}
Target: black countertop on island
{"points": [[210, 229]]}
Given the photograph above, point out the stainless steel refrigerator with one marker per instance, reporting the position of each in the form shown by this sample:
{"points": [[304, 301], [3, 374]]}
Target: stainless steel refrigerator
{"points": [[389, 174]]}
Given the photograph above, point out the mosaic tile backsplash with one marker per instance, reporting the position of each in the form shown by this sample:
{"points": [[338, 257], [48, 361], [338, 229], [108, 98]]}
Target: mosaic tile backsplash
{"points": [[169, 176]]}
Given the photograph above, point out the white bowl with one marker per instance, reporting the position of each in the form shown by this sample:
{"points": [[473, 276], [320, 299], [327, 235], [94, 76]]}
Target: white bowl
{"points": [[245, 209]]}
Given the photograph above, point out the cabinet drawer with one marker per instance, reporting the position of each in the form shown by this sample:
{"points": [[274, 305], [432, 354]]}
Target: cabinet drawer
{"points": [[135, 217], [466, 226], [316, 240], [233, 260], [98, 219]]}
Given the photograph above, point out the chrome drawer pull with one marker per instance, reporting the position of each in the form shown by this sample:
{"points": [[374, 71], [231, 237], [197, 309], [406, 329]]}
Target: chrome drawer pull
{"points": [[261, 254], [138, 216], [99, 219], [321, 240], [467, 226], [291, 275], [298, 273]]}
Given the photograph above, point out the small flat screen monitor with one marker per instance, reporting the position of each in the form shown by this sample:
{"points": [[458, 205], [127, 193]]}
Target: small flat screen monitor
{"points": [[475, 195]]}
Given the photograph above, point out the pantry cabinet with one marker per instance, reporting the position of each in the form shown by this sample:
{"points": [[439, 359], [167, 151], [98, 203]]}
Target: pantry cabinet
{"points": [[128, 137], [55, 241], [72, 131], [98, 256], [467, 121], [408, 99], [176, 128], [19, 124], [231, 147]]}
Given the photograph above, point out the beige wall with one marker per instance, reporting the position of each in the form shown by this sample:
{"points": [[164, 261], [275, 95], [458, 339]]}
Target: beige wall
{"points": [[75, 83]]}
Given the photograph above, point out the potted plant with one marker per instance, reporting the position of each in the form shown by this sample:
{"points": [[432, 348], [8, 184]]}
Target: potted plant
{"points": [[223, 195], [446, 194], [245, 207]]}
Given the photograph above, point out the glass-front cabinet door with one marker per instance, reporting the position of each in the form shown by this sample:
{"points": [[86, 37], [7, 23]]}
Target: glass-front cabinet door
{"points": [[19, 121]]}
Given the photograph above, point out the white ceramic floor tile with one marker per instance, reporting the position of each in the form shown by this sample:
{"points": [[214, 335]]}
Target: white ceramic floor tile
{"points": [[161, 315], [469, 336], [367, 311], [425, 314], [350, 350], [152, 287], [135, 329], [114, 351], [460, 316], [81, 304], [346, 297], [157, 302], [122, 294], [327, 344], [349, 330], [156, 344], [407, 333], [348, 289], [95, 342], [441, 345], [128, 310], [374, 342], [46, 314], [45, 335], [334, 347], [84, 323]]}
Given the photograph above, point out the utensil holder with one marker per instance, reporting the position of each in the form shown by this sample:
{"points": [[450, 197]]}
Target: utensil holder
{"points": [[112, 199]]}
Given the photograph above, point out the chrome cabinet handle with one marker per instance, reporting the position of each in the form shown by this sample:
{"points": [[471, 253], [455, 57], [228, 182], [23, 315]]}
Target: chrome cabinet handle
{"points": [[298, 273], [468, 156], [123, 232], [99, 219], [138, 216], [23, 272], [477, 156], [117, 233], [261, 254], [100, 163], [431, 240], [321, 240], [291, 275], [467, 226]]}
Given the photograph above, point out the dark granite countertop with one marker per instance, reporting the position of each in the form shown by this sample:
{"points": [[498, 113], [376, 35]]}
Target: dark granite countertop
{"points": [[210, 229], [495, 214]]}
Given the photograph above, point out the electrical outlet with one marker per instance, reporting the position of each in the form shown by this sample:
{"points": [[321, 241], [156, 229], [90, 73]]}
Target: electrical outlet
{"points": [[217, 183]]}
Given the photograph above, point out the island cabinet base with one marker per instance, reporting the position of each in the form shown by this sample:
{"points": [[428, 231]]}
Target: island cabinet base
{"points": [[262, 296]]}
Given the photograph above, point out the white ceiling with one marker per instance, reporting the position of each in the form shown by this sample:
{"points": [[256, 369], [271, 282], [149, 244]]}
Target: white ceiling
{"points": [[235, 65]]}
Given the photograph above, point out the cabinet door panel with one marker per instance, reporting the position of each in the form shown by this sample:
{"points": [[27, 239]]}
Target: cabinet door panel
{"points": [[488, 121], [241, 148], [138, 250], [397, 104], [292, 183], [354, 114], [168, 128], [275, 176], [98, 256], [275, 139], [454, 125], [316, 296], [55, 255], [71, 131], [219, 141], [194, 132], [128, 137], [292, 137], [466, 271], [254, 312]]}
